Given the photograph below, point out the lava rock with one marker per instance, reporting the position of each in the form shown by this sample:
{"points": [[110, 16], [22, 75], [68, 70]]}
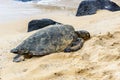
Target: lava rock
{"points": [[89, 7], [38, 24]]}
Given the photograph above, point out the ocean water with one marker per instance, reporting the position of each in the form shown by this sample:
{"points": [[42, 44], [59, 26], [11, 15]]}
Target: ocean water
{"points": [[14, 9], [11, 9]]}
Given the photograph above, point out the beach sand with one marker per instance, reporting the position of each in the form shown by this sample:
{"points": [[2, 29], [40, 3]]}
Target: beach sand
{"points": [[99, 59]]}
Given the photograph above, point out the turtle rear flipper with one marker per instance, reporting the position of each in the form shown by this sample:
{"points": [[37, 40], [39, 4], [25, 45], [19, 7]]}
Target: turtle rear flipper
{"points": [[18, 58]]}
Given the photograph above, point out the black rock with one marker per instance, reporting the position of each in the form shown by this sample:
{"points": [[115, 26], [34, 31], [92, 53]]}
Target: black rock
{"points": [[38, 24], [89, 7]]}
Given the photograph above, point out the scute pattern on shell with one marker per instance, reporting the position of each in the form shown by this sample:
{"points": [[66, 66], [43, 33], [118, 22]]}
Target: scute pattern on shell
{"points": [[54, 38]]}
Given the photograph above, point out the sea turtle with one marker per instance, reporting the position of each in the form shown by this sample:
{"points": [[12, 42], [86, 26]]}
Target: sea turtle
{"points": [[51, 39]]}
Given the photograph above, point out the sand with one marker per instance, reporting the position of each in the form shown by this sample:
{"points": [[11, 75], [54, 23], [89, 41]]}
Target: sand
{"points": [[99, 59]]}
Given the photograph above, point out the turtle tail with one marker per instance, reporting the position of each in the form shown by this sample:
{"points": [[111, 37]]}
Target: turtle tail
{"points": [[14, 51]]}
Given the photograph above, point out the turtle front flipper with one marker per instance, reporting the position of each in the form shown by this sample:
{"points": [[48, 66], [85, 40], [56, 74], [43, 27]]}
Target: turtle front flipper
{"points": [[18, 58], [75, 46]]}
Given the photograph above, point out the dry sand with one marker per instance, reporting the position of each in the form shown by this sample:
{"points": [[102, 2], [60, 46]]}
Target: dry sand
{"points": [[99, 59]]}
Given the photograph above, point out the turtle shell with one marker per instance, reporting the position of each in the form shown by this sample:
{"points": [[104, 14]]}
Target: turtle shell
{"points": [[54, 38]]}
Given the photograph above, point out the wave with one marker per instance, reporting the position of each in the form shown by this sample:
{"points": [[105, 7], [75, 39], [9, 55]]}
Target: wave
{"points": [[45, 1], [57, 5]]}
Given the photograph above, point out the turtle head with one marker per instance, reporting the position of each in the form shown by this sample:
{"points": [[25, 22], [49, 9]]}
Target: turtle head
{"points": [[83, 34]]}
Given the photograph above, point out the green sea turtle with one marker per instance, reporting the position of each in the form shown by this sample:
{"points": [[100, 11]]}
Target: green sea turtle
{"points": [[55, 38]]}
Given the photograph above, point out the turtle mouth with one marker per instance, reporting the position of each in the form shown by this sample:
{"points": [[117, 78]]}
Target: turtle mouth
{"points": [[14, 51]]}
